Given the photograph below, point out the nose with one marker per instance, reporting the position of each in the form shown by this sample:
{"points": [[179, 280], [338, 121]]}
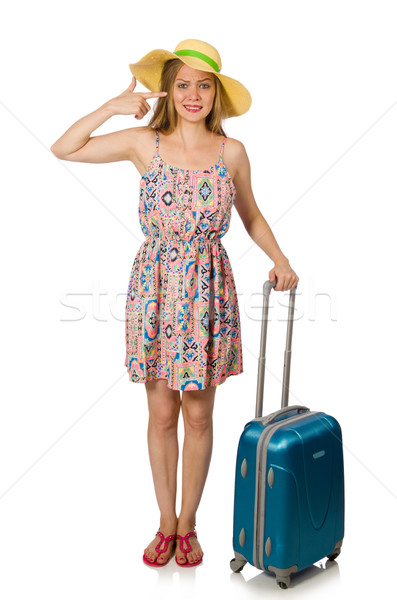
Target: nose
{"points": [[195, 92]]}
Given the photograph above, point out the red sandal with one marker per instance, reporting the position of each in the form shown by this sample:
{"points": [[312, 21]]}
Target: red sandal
{"points": [[165, 541], [185, 539]]}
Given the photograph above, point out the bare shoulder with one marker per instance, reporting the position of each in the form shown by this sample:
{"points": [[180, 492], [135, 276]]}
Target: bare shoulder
{"points": [[235, 146], [140, 136], [142, 143], [234, 155]]}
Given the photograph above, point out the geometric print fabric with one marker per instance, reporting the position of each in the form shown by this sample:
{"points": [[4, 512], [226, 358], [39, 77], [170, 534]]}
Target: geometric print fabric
{"points": [[182, 315]]}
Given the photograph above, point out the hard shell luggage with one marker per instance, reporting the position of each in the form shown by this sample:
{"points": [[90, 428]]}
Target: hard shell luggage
{"points": [[289, 485]]}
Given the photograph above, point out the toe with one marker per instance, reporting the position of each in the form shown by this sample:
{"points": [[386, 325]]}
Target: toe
{"points": [[161, 558], [151, 556]]}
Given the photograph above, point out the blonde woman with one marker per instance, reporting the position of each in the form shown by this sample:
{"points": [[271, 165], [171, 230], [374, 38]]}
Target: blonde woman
{"points": [[182, 332]]}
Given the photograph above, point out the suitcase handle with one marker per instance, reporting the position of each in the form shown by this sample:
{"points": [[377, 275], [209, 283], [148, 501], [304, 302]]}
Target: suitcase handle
{"points": [[267, 288], [283, 411]]}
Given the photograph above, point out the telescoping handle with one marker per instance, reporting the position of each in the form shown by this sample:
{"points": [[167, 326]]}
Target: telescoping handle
{"points": [[267, 288]]}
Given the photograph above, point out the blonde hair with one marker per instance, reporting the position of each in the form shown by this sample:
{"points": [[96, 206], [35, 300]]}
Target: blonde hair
{"points": [[164, 115]]}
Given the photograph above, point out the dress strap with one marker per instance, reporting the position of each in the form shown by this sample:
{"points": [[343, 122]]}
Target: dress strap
{"points": [[222, 148], [157, 142]]}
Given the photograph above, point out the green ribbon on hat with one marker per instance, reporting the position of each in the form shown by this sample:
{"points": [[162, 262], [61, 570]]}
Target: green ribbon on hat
{"points": [[196, 54]]}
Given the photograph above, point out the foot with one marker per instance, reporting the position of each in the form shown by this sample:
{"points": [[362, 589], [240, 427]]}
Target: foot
{"points": [[196, 553], [150, 552]]}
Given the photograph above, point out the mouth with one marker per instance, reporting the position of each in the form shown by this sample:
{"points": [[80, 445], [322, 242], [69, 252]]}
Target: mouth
{"points": [[192, 108]]}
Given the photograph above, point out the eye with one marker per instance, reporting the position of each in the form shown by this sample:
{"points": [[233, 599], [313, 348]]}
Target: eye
{"points": [[183, 85]]}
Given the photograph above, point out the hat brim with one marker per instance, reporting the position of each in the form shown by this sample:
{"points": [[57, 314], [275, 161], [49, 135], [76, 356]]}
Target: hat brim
{"points": [[148, 72]]}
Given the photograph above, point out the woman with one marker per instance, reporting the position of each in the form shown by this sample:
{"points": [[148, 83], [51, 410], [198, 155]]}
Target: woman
{"points": [[182, 317]]}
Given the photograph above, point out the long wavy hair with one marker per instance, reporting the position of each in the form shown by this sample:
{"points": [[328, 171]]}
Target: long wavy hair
{"points": [[164, 115]]}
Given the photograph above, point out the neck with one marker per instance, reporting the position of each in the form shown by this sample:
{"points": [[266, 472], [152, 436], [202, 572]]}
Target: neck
{"points": [[191, 134]]}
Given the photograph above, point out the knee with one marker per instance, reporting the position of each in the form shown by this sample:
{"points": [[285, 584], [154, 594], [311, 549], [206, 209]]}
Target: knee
{"points": [[165, 419], [197, 420]]}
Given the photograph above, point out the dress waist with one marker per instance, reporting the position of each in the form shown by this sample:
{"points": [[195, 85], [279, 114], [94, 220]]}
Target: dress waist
{"points": [[185, 247], [199, 239]]}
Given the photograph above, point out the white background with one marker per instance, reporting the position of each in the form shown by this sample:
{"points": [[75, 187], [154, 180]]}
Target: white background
{"points": [[77, 504]]}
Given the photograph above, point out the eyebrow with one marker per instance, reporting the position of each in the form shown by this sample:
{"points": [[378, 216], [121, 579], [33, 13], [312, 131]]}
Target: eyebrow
{"points": [[199, 80]]}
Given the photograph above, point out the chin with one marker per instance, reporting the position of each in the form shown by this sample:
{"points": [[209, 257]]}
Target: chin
{"points": [[199, 116]]}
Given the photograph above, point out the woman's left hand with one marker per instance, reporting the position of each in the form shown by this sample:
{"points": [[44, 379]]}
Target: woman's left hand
{"points": [[286, 277]]}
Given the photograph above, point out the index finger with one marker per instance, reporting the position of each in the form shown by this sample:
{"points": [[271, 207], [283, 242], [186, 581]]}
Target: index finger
{"points": [[153, 94]]}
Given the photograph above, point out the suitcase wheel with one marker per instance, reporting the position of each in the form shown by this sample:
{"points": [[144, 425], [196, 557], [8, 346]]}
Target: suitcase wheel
{"points": [[336, 551], [284, 582], [237, 565]]}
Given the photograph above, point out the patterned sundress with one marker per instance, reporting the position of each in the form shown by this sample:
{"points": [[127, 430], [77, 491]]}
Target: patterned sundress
{"points": [[182, 315]]}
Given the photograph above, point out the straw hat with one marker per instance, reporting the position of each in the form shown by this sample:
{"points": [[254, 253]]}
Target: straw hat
{"points": [[199, 55]]}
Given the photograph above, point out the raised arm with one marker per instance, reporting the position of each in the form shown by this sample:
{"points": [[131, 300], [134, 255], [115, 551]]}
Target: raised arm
{"points": [[77, 144]]}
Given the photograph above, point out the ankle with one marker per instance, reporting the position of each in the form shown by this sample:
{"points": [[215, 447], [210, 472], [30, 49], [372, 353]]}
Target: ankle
{"points": [[168, 522], [186, 523]]}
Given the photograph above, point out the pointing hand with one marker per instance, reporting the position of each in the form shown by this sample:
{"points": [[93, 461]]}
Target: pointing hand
{"points": [[133, 103]]}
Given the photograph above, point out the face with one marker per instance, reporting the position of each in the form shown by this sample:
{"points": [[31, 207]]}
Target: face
{"points": [[194, 93]]}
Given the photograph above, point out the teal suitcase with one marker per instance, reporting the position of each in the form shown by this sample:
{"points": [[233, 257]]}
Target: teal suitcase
{"points": [[289, 481]]}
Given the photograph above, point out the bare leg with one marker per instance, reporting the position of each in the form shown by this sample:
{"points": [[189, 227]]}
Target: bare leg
{"points": [[164, 407], [197, 409]]}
